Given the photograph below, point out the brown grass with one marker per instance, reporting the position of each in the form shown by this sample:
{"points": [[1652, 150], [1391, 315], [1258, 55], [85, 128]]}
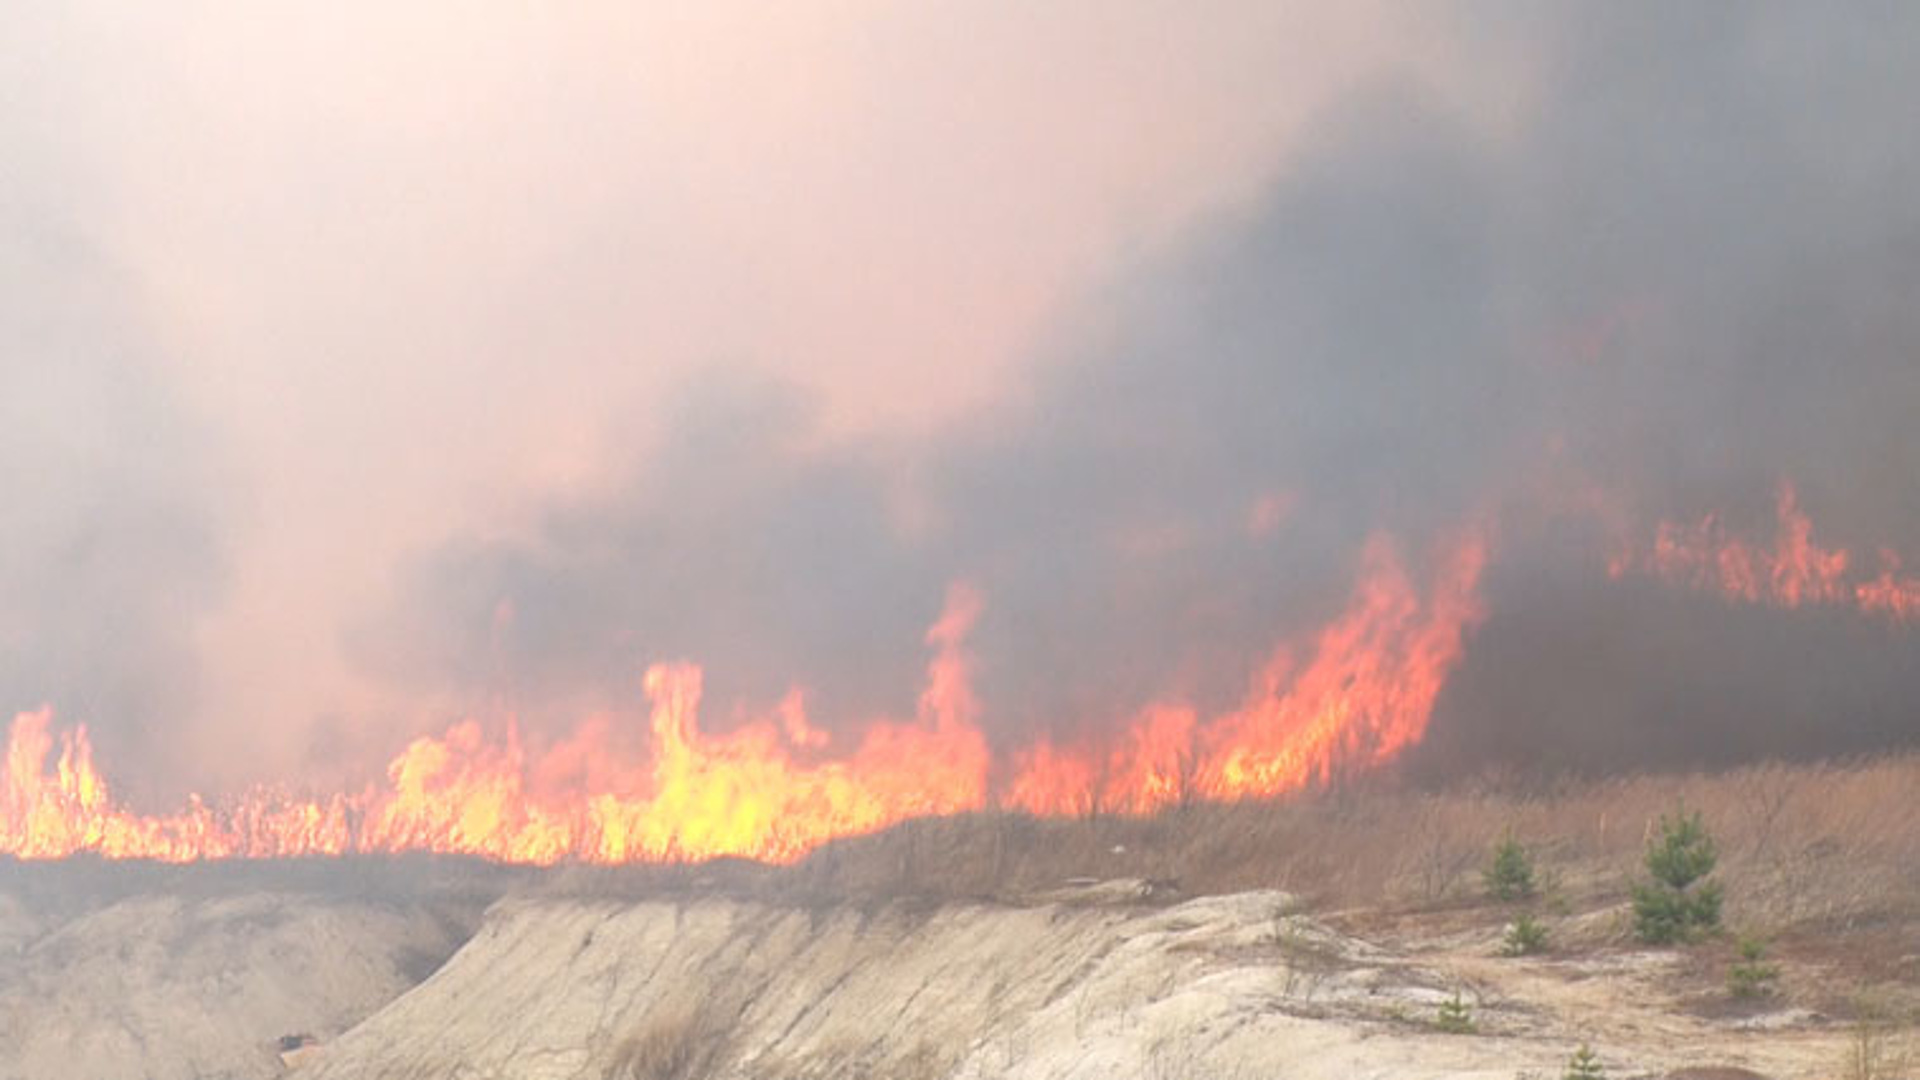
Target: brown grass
{"points": [[1822, 861], [1815, 847], [1879, 1041], [1807, 847], [672, 1044]]}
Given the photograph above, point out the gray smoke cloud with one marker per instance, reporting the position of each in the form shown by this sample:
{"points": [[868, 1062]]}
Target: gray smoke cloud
{"points": [[111, 537], [1676, 268], [733, 544], [371, 276], [1639, 255], [1721, 201]]}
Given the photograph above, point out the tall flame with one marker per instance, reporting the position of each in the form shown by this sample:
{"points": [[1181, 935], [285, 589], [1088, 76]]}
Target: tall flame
{"points": [[778, 787], [1365, 692], [1794, 572]]}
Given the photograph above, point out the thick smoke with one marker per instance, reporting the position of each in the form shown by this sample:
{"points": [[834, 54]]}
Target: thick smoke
{"points": [[1677, 268], [109, 551], [736, 546], [1664, 265], [1715, 209]]}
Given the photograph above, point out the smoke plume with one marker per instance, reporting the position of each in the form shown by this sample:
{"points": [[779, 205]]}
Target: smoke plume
{"points": [[1674, 274], [1549, 278]]}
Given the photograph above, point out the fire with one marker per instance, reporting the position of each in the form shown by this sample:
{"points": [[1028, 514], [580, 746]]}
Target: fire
{"points": [[1361, 691], [1795, 571], [1893, 595], [48, 816], [1364, 693]]}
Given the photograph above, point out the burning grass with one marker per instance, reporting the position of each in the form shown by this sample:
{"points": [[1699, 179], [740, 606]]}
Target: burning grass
{"points": [[1343, 700], [1818, 859], [1821, 860], [1805, 848]]}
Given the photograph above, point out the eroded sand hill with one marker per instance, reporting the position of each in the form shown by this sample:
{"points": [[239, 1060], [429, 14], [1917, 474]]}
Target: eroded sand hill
{"points": [[168, 988], [1074, 987], [110, 972]]}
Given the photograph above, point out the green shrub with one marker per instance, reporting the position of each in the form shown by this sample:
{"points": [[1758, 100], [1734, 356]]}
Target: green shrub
{"points": [[1456, 1016], [1584, 1065], [1525, 937], [1684, 853], [1509, 876], [1752, 976], [1678, 904], [1662, 916]]}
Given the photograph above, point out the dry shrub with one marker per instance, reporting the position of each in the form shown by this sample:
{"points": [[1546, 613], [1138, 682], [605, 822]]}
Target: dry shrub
{"points": [[1878, 1042], [673, 1043]]}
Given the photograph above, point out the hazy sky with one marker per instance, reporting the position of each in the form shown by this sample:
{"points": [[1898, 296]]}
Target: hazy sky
{"points": [[365, 364]]}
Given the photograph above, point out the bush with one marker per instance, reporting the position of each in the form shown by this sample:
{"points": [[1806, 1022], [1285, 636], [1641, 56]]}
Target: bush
{"points": [[1456, 1016], [1524, 938], [1662, 916], [675, 1044], [1678, 904], [1752, 977], [1510, 876], [1876, 1047], [1584, 1065], [1684, 853]]}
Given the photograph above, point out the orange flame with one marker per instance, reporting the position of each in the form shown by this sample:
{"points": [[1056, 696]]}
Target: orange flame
{"points": [[776, 788], [1796, 571], [1366, 693], [1892, 595]]}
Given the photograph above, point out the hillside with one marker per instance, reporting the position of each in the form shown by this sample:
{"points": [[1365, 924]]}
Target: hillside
{"points": [[1004, 946]]}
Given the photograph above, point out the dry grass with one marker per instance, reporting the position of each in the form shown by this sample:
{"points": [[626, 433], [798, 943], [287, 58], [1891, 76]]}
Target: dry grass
{"points": [[1820, 860], [1816, 847], [672, 1044], [1879, 1043], [1804, 848]]}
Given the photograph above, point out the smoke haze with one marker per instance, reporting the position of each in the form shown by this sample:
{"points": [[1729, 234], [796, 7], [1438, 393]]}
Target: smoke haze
{"points": [[470, 360]]}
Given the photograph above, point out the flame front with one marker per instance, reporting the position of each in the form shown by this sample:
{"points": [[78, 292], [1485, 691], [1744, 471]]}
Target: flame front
{"points": [[1362, 691], [1794, 572]]}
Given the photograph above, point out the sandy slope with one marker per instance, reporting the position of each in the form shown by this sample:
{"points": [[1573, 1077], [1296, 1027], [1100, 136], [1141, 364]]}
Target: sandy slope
{"points": [[1079, 987], [1095, 982], [164, 986]]}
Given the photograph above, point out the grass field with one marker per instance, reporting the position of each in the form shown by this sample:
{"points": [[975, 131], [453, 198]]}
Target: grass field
{"points": [[1803, 847]]}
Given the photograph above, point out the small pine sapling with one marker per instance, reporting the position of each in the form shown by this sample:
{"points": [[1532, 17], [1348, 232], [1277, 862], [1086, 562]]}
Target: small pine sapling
{"points": [[1678, 904], [1752, 976], [1509, 877], [1456, 1016], [1525, 937], [1584, 1065]]}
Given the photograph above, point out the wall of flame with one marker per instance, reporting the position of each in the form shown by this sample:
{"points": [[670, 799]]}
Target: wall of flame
{"points": [[1345, 699]]}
